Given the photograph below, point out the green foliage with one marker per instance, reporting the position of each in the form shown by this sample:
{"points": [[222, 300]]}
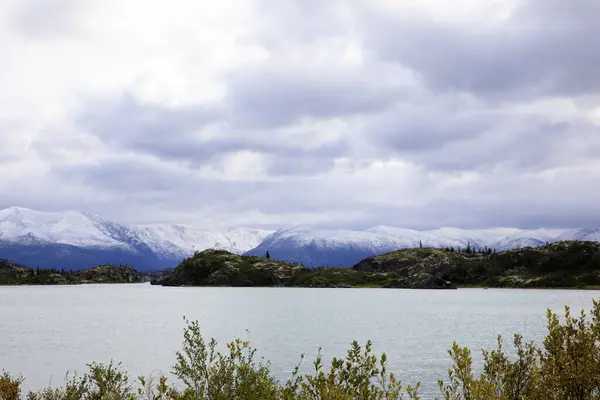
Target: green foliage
{"points": [[573, 264], [502, 378], [361, 375], [209, 374], [221, 268], [567, 366], [563, 264], [10, 388], [102, 382], [14, 274]]}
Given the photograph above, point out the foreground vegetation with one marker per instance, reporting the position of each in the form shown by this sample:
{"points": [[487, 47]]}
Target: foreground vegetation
{"points": [[15, 274], [569, 264], [567, 366]]}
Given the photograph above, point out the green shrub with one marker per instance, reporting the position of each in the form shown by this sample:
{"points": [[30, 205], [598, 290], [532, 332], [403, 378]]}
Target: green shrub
{"points": [[10, 388], [567, 366], [360, 376], [209, 374]]}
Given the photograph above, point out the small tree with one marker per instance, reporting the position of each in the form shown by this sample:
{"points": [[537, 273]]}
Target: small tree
{"points": [[268, 255]]}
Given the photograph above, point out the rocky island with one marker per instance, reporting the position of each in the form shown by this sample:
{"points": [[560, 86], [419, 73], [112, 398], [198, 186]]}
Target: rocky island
{"points": [[569, 264], [221, 268]]}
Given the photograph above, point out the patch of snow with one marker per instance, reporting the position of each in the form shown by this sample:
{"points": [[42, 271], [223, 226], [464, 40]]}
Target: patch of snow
{"points": [[25, 226], [581, 234], [177, 241], [526, 238], [74, 228], [29, 227]]}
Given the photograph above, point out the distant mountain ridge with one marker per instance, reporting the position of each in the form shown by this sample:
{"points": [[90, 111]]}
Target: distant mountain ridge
{"points": [[76, 240], [313, 248]]}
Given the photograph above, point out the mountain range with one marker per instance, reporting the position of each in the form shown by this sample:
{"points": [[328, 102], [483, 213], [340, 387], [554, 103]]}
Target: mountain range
{"points": [[78, 240]]}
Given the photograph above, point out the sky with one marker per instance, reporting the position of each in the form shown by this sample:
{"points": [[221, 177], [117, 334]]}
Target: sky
{"points": [[354, 113]]}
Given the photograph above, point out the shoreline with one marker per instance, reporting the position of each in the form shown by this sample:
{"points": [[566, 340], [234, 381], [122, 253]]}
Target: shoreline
{"points": [[586, 288]]}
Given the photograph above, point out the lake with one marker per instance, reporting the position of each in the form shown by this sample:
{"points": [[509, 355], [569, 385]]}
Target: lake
{"points": [[46, 331]]}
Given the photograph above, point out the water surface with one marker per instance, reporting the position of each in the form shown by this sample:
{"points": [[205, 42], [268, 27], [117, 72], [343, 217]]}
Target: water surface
{"points": [[48, 330]]}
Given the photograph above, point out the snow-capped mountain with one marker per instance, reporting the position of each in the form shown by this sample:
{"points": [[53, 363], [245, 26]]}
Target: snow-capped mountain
{"points": [[176, 241], [323, 247], [78, 240], [345, 247], [592, 235], [530, 238], [72, 228], [75, 240]]}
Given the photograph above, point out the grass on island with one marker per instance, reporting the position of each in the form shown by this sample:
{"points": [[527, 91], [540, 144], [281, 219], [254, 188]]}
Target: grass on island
{"points": [[565, 366]]}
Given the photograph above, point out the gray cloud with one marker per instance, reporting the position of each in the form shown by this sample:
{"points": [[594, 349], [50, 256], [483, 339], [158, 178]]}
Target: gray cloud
{"points": [[427, 124], [174, 134], [150, 128], [44, 19], [277, 97], [123, 174], [521, 146], [546, 47]]}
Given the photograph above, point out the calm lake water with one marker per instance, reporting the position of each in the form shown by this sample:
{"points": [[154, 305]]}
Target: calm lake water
{"points": [[46, 331]]}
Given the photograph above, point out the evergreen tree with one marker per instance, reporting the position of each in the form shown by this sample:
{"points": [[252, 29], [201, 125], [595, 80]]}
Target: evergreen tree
{"points": [[268, 255], [420, 244]]}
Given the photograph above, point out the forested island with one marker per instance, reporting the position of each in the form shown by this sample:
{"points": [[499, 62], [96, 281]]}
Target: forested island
{"points": [[567, 264], [15, 274]]}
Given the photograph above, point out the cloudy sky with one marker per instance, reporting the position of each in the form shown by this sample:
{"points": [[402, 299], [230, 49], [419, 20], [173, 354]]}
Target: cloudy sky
{"points": [[353, 113]]}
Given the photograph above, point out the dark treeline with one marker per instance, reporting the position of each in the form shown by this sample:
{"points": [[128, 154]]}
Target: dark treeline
{"points": [[15, 274]]}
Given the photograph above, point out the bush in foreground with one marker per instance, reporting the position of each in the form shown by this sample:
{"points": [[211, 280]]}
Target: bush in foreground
{"points": [[567, 366]]}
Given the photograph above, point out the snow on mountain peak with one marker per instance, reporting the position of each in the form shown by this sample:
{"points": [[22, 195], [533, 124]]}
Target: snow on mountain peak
{"points": [[71, 227], [80, 229], [581, 234], [178, 241], [320, 246]]}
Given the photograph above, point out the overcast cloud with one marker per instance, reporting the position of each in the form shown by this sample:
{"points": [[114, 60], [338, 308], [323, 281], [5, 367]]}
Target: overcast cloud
{"points": [[466, 113]]}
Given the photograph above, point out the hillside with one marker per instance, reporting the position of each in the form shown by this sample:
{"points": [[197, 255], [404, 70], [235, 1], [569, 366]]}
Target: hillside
{"points": [[221, 268], [15, 274], [561, 264]]}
